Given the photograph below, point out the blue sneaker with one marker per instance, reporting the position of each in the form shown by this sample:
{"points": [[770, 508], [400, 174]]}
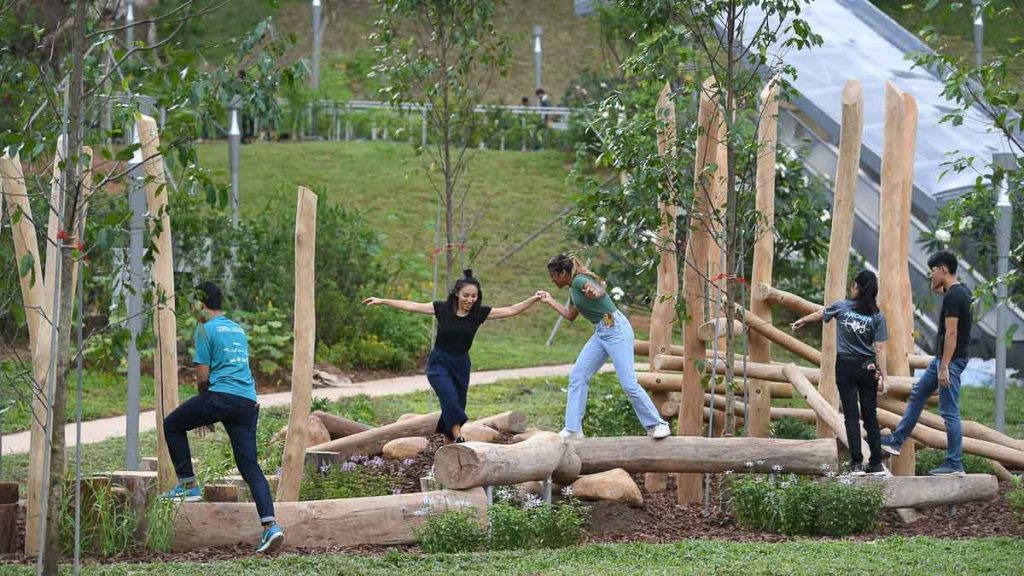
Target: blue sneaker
{"points": [[889, 445], [181, 493], [947, 469], [272, 539]]}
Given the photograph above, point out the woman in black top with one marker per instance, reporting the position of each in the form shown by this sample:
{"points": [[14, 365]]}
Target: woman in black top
{"points": [[458, 319], [861, 333]]}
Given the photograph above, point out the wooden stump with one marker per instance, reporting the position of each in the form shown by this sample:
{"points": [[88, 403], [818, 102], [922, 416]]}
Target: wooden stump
{"points": [[9, 512], [220, 493], [480, 464]]}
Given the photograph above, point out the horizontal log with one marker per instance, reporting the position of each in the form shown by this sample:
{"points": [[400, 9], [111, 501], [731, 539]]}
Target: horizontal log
{"points": [[934, 439], [479, 464], [643, 348], [379, 520], [698, 454], [338, 426], [929, 491], [672, 382], [802, 414], [970, 428], [715, 329], [511, 422], [776, 297], [371, 442]]}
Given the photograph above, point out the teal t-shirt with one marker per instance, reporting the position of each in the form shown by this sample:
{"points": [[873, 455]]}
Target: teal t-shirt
{"points": [[222, 345], [593, 309]]}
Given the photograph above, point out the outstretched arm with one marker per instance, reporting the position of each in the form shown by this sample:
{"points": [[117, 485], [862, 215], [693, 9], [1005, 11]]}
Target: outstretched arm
{"points": [[812, 317], [569, 313], [407, 305], [513, 310]]}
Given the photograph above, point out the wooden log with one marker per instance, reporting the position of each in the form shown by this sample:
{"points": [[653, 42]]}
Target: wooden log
{"points": [[371, 442], [909, 147], [474, 464], [776, 412], [304, 345], [224, 493], [930, 491], [165, 324], [837, 271], [9, 528], [892, 261], [781, 338], [339, 427], [935, 439], [663, 312], [765, 294], [825, 411], [643, 348], [699, 455], [970, 428], [8, 492], [139, 484], [381, 520], [759, 347], [715, 330], [662, 382], [511, 422]]}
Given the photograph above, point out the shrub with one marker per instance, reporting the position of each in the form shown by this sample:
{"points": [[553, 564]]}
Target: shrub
{"points": [[357, 478], [1016, 497], [110, 525], [454, 530], [609, 412], [802, 506], [931, 458], [793, 429]]}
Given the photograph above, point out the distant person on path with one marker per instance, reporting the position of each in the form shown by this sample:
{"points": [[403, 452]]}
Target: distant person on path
{"points": [[227, 394], [458, 318], [861, 333], [544, 102], [613, 337], [951, 348]]}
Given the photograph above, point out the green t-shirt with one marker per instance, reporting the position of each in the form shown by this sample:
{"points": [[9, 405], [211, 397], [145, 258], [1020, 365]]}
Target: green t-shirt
{"points": [[593, 309]]}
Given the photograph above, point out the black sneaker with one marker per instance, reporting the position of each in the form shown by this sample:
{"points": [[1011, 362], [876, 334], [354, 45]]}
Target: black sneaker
{"points": [[460, 440], [857, 469], [876, 470]]}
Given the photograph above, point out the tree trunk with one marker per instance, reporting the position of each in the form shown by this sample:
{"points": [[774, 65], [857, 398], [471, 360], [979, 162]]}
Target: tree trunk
{"points": [[371, 442], [480, 464], [339, 427]]}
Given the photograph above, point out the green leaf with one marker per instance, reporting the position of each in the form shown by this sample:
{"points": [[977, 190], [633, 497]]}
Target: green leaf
{"points": [[26, 266]]}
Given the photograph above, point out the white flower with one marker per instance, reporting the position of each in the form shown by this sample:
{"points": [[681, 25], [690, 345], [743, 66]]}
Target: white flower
{"points": [[605, 114], [776, 467], [532, 501], [604, 85], [943, 235], [617, 293], [824, 216], [567, 491], [748, 464], [966, 222]]}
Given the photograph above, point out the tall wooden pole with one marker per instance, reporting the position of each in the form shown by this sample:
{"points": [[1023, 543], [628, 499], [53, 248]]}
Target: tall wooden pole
{"points": [[758, 423], [305, 342], [892, 260], [910, 147], [836, 275], [691, 413], [165, 369], [664, 309]]}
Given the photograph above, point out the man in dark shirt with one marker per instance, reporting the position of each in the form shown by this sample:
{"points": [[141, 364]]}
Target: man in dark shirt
{"points": [[951, 344]]}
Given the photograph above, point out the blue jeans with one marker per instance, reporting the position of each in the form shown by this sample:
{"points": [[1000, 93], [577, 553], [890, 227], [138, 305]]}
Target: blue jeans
{"points": [[239, 416], [949, 408], [448, 375], [617, 342]]}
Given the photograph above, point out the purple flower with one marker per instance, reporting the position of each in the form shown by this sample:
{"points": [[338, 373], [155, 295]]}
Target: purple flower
{"points": [[396, 491], [408, 462], [348, 466]]}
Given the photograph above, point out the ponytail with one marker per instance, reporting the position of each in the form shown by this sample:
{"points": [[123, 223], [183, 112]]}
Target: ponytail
{"points": [[572, 266]]}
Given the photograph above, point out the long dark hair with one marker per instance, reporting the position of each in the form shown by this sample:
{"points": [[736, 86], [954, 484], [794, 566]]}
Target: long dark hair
{"points": [[867, 292], [572, 266], [467, 279]]}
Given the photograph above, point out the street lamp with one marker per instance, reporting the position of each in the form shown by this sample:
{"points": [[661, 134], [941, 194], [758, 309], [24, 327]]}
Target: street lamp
{"points": [[979, 29], [1004, 222], [537, 32]]}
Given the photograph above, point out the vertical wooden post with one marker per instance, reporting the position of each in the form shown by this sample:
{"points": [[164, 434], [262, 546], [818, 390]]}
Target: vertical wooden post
{"points": [[836, 275], [758, 423], [305, 342], [33, 293], [910, 146], [164, 322], [664, 309], [691, 407], [892, 260]]}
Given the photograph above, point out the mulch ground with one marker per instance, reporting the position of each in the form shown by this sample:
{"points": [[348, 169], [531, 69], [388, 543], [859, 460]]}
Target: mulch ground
{"points": [[659, 520]]}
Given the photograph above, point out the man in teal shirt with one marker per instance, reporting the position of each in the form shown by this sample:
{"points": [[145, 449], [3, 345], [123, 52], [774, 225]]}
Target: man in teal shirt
{"points": [[227, 394]]}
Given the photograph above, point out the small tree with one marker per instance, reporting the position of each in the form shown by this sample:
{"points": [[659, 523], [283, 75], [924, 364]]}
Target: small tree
{"points": [[443, 54]]}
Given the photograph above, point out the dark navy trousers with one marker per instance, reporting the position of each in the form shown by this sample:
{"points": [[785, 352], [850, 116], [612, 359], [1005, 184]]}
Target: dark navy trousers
{"points": [[448, 375]]}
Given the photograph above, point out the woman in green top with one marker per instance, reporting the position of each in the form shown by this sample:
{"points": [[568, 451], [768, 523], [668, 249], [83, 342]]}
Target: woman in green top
{"points": [[613, 337]]}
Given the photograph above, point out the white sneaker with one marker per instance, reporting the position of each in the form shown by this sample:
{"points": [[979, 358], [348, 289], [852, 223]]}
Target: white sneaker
{"points": [[566, 433], [660, 431]]}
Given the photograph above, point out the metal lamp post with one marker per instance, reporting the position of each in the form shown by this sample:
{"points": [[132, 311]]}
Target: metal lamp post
{"points": [[979, 29], [537, 52], [1004, 222]]}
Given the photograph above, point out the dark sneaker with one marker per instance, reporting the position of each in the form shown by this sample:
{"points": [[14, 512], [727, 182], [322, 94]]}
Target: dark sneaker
{"points": [[857, 469], [876, 470], [272, 539], [889, 445], [947, 470], [182, 493], [460, 440]]}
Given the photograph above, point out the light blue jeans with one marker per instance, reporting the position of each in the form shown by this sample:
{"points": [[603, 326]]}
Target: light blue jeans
{"points": [[949, 408], [617, 342]]}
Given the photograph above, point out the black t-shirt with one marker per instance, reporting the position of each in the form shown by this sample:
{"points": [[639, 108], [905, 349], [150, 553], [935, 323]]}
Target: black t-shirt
{"points": [[955, 304], [455, 333]]}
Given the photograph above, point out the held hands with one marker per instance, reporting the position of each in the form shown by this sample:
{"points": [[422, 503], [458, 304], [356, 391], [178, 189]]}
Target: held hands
{"points": [[543, 296]]}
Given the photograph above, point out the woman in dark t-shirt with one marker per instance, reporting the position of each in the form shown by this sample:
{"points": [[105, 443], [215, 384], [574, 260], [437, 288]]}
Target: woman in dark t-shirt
{"points": [[861, 333], [458, 319]]}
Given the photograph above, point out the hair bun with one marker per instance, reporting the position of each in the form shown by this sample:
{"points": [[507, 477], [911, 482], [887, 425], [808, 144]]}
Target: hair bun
{"points": [[467, 273]]}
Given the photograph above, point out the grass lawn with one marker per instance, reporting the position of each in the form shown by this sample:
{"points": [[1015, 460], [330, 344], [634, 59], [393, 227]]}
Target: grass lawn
{"points": [[895, 556]]}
